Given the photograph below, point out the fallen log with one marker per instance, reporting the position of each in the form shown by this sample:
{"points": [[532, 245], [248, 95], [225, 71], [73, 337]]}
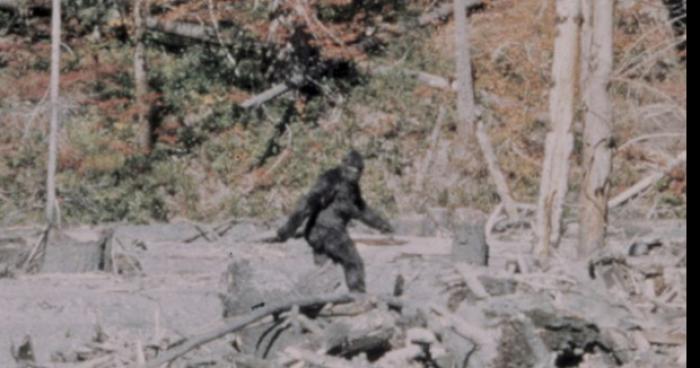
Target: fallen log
{"points": [[272, 92]]}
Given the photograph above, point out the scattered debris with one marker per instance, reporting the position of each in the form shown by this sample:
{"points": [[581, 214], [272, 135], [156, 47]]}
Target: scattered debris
{"points": [[427, 307]]}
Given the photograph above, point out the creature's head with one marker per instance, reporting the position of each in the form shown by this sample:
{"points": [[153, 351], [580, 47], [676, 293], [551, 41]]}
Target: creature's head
{"points": [[352, 166]]}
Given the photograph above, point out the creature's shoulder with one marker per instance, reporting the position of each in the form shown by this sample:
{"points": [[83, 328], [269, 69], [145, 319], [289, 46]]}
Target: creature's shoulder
{"points": [[332, 176]]}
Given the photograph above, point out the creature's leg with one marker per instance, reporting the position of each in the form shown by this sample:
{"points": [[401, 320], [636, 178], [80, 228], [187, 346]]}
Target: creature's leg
{"points": [[341, 248], [316, 240], [320, 258], [354, 270]]}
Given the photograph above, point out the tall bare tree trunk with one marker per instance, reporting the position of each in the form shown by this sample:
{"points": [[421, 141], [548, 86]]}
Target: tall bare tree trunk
{"points": [[465, 86], [597, 39], [560, 141], [140, 82], [51, 205], [466, 106]]}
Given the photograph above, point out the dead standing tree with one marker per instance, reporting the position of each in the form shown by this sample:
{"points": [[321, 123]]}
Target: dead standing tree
{"points": [[466, 108], [52, 215], [468, 126], [560, 140], [596, 69]]}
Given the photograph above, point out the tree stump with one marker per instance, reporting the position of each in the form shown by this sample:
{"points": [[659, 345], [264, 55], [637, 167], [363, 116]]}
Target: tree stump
{"points": [[469, 239]]}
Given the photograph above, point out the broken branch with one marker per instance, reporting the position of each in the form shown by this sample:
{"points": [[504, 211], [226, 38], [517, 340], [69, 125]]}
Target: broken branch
{"points": [[272, 92], [646, 182], [496, 174], [243, 321]]}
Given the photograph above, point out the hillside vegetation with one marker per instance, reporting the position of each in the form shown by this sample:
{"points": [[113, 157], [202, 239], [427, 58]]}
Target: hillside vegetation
{"points": [[214, 158]]}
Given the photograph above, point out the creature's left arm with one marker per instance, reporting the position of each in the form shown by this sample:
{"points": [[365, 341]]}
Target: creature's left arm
{"points": [[309, 203], [372, 218]]}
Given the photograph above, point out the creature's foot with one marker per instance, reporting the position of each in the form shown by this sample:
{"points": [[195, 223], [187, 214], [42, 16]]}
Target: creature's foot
{"points": [[320, 259]]}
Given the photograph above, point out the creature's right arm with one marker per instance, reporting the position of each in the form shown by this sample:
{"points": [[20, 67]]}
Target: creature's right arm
{"points": [[309, 203], [372, 218]]}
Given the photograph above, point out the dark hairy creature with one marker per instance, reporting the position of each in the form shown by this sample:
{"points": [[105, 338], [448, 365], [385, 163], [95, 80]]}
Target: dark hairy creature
{"points": [[328, 207]]}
